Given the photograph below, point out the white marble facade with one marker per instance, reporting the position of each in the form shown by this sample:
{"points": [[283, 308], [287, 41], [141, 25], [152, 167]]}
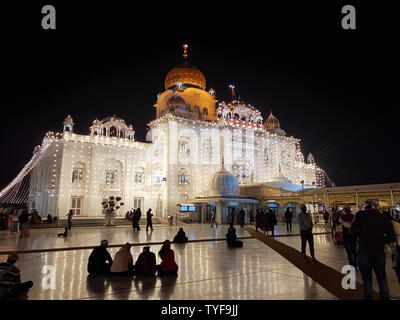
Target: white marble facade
{"points": [[176, 164]]}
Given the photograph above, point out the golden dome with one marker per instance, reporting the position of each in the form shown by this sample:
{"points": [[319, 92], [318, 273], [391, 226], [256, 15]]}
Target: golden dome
{"points": [[185, 74], [272, 123]]}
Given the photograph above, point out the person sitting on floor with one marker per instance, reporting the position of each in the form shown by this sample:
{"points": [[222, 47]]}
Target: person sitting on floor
{"points": [[10, 279], [123, 262], [231, 238], [146, 263], [100, 260], [168, 264], [64, 234], [180, 237]]}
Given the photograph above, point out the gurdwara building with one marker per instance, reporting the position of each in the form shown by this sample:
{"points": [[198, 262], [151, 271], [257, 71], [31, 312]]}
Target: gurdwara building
{"points": [[200, 152]]}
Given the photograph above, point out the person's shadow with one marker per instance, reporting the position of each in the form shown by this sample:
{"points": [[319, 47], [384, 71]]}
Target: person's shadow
{"points": [[145, 286], [121, 286], [97, 284], [167, 286]]}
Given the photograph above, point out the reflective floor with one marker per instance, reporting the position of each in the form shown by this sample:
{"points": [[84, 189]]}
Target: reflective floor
{"points": [[207, 270]]}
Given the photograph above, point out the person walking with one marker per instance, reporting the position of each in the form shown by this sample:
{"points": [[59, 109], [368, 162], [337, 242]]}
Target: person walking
{"points": [[10, 279], [100, 261], [23, 223], [241, 217], [272, 221], [350, 242], [213, 218], [373, 230], [259, 219], [134, 220], [70, 214], [251, 216], [138, 215], [149, 221], [306, 226], [326, 217], [232, 217], [288, 220]]}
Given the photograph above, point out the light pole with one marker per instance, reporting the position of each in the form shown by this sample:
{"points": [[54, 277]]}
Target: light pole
{"points": [[302, 188]]}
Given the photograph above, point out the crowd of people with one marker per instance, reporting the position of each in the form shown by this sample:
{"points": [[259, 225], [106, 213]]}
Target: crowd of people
{"points": [[365, 235]]}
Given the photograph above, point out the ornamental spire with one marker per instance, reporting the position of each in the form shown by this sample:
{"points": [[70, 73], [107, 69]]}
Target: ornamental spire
{"points": [[185, 46]]}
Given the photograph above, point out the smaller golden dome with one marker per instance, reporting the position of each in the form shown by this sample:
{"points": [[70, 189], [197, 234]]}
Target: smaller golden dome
{"points": [[185, 74], [176, 102], [272, 123]]}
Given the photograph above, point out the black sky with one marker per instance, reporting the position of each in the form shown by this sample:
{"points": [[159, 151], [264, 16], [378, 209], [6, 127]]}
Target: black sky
{"points": [[336, 90]]}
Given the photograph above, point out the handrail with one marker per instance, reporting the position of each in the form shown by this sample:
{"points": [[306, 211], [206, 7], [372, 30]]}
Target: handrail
{"points": [[177, 217]]}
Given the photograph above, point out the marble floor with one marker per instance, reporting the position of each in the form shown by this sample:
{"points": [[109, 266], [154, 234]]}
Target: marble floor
{"points": [[207, 270]]}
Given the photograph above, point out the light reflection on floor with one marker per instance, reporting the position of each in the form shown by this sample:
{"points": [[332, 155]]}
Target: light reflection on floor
{"points": [[207, 270]]}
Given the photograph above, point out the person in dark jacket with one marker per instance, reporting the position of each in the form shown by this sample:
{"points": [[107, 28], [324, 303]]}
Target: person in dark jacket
{"points": [[270, 221], [373, 231], [180, 237], [149, 221], [306, 226], [70, 214], [259, 219], [100, 260], [23, 223], [232, 216], [251, 216], [326, 217], [146, 263], [288, 219], [136, 217], [10, 279], [231, 238], [133, 219], [241, 217], [349, 240]]}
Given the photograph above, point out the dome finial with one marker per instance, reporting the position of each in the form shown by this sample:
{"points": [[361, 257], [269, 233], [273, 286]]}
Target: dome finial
{"points": [[185, 46]]}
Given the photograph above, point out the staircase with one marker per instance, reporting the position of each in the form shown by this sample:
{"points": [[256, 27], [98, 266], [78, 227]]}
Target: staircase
{"points": [[178, 218]]}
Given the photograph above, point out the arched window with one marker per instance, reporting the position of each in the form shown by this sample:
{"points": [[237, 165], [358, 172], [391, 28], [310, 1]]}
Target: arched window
{"points": [[113, 132], [188, 107], [205, 111], [104, 131], [121, 134], [219, 115], [236, 116], [196, 109]]}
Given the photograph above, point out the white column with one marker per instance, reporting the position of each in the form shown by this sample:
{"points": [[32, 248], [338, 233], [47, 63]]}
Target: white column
{"points": [[219, 213]]}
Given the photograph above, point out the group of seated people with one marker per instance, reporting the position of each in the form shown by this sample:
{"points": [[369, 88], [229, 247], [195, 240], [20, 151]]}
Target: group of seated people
{"points": [[100, 261]]}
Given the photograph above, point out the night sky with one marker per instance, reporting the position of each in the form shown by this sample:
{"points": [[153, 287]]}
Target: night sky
{"points": [[338, 91]]}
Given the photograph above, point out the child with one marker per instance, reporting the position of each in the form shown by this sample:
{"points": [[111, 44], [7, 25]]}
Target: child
{"points": [[65, 234]]}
